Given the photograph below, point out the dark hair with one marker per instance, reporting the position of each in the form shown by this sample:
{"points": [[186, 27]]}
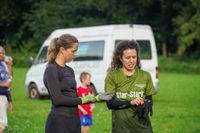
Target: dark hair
{"points": [[83, 75], [117, 55], [65, 40]]}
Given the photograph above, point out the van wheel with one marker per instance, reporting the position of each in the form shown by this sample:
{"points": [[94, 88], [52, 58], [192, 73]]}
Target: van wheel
{"points": [[33, 92]]}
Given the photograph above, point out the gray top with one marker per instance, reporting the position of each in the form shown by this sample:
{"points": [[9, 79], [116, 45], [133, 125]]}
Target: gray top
{"points": [[61, 85]]}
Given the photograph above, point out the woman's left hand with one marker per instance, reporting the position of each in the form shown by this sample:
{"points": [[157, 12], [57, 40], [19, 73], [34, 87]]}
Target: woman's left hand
{"points": [[137, 101]]}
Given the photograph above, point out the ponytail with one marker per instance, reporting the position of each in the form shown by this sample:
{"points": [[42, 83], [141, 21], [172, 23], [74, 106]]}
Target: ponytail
{"points": [[52, 51], [66, 41]]}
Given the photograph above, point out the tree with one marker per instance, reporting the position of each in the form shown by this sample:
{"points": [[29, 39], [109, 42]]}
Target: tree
{"points": [[188, 27], [11, 16], [46, 16], [25, 24]]}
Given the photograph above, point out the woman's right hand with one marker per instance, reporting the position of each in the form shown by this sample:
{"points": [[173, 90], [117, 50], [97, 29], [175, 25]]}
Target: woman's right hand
{"points": [[137, 101]]}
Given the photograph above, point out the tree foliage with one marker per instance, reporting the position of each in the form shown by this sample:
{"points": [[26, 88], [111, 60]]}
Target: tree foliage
{"points": [[187, 26], [11, 21], [26, 23]]}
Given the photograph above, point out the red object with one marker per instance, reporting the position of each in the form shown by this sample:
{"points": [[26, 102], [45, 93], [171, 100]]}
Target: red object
{"points": [[84, 92]]}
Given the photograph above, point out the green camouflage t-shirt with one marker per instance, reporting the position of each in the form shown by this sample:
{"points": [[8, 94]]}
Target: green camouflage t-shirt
{"points": [[128, 88]]}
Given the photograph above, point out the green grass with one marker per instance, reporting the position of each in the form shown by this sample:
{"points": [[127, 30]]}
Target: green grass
{"points": [[28, 116], [176, 107], [172, 64]]}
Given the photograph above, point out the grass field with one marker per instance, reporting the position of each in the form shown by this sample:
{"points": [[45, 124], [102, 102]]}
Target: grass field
{"points": [[176, 107]]}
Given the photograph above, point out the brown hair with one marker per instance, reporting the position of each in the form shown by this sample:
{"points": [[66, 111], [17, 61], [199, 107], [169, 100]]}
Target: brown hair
{"points": [[122, 46], [83, 75], [65, 40]]}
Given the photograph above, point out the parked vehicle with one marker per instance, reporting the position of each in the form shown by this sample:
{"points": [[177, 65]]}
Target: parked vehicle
{"points": [[96, 45]]}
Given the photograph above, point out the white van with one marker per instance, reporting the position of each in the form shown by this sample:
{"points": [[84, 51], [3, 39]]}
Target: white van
{"points": [[96, 46]]}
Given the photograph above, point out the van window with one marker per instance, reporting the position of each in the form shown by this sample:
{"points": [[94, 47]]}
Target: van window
{"points": [[42, 57], [92, 50], [145, 48]]}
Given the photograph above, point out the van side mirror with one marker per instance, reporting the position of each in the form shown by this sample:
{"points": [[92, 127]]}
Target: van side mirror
{"points": [[31, 61]]}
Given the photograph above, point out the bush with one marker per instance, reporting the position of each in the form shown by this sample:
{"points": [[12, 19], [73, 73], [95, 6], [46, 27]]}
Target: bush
{"points": [[179, 65], [21, 58], [170, 64]]}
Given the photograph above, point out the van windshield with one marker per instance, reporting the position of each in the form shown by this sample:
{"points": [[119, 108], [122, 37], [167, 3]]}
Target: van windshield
{"points": [[145, 48], [91, 50], [42, 57]]}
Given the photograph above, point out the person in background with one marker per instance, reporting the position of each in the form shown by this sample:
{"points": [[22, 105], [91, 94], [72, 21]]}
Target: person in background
{"points": [[9, 62], [5, 83], [133, 90], [59, 79], [85, 110]]}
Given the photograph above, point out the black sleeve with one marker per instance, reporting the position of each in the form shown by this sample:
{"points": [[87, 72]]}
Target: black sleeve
{"points": [[117, 105], [94, 91], [149, 98], [51, 81]]}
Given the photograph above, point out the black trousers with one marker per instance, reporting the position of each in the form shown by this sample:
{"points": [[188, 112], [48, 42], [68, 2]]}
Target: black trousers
{"points": [[62, 124]]}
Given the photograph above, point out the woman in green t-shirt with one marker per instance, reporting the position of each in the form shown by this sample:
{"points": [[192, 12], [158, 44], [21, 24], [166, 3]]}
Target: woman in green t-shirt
{"points": [[133, 88]]}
